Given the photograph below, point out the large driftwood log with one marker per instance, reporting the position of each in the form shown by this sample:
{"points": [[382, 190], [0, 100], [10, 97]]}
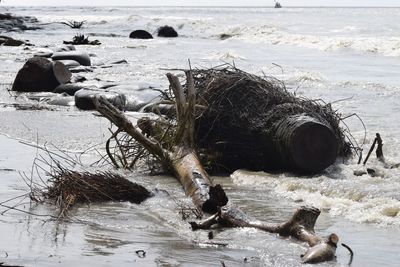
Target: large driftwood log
{"points": [[182, 159]]}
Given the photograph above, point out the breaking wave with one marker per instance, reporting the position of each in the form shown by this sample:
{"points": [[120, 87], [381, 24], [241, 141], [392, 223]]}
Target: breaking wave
{"points": [[360, 199], [387, 46]]}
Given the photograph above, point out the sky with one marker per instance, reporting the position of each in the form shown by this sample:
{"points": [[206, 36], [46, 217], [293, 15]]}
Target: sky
{"points": [[360, 3]]}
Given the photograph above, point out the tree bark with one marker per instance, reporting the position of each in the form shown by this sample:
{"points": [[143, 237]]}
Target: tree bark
{"points": [[182, 158]]}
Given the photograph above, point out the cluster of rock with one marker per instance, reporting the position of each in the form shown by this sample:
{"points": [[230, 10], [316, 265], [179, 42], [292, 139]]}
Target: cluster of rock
{"points": [[8, 41], [53, 72], [50, 74], [164, 31], [10, 22]]}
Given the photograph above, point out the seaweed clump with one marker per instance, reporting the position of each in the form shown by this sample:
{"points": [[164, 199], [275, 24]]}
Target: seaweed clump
{"points": [[80, 39]]}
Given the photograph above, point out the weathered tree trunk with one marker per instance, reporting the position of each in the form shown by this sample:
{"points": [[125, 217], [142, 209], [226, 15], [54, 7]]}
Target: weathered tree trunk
{"points": [[206, 196], [182, 159]]}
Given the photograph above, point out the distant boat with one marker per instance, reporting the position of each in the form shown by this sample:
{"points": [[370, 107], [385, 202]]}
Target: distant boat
{"points": [[277, 5]]}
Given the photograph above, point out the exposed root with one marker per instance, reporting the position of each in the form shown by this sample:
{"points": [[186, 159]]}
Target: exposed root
{"points": [[351, 253], [300, 226]]}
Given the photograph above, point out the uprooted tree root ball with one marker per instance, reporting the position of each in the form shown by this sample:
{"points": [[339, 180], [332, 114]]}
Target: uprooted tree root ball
{"points": [[254, 122], [246, 121]]}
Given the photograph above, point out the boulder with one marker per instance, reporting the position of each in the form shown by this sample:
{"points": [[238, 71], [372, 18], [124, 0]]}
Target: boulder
{"points": [[41, 75], [8, 41], [140, 34], [84, 99], [137, 96], [80, 57], [166, 31], [10, 22]]}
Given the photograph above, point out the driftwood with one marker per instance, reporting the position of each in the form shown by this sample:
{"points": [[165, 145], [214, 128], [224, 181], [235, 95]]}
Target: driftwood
{"points": [[74, 24], [182, 159], [379, 155], [300, 226]]}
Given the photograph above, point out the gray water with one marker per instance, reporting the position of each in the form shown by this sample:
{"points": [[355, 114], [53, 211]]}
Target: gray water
{"points": [[346, 54]]}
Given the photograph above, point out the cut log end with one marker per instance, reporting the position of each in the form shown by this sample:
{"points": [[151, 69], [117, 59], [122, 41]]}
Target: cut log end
{"points": [[314, 147], [61, 73], [217, 198], [306, 143]]}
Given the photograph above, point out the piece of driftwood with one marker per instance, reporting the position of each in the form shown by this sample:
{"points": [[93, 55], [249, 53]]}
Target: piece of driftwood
{"points": [[182, 159], [379, 155], [74, 24], [300, 226]]}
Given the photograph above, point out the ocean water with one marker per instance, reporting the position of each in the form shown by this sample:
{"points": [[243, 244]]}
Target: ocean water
{"points": [[349, 57]]}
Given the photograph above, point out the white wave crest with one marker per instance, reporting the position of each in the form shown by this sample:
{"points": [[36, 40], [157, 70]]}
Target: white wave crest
{"points": [[388, 46], [360, 199]]}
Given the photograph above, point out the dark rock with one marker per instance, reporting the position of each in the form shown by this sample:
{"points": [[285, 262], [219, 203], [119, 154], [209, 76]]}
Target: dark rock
{"points": [[81, 57], [40, 75], [69, 89], [84, 99], [122, 61], [6, 16], [140, 34], [78, 79], [224, 36], [10, 22], [137, 97], [8, 41], [166, 31]]}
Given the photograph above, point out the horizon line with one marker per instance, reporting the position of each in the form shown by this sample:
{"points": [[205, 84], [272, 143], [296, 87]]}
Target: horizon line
{"points": [[216, 6]]}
